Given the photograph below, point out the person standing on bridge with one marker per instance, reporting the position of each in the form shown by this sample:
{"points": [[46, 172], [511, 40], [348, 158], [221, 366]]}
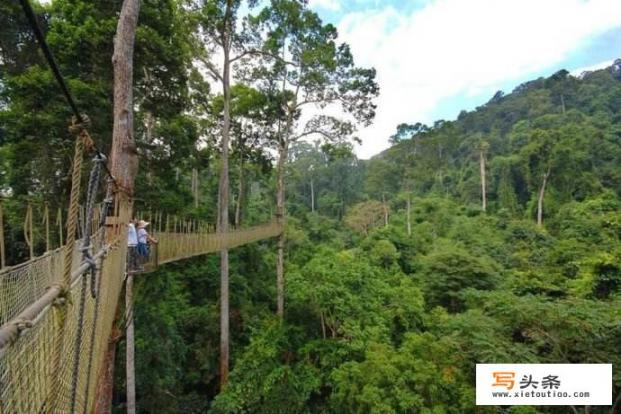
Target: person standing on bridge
{"points": [[144, 238], [132, 243]]}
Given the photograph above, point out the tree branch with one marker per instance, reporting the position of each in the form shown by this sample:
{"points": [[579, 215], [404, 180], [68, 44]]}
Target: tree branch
{"points": [[262, 53], [313, 131], [211, 68]]}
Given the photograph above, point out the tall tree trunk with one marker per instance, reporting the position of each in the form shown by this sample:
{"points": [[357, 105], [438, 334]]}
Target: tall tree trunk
{"points": [[123, 158], [542, 193], [283, 146], [385, 209], [129, 346], [223, 199], [483, 186], [409, 214], [195, 187], [312, 185], [280, 216], [149, 129], [240, 191]]}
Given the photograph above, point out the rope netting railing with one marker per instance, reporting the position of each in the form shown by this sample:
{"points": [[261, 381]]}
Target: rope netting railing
{"points": [[30, 229], [32, 309], [173, 246], [30, 312]]}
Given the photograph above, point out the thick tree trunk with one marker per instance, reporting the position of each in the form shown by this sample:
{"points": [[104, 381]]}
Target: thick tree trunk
{"points": [[280, 216], [542, 193], [223, 200], [240, 192], [409, 216], [123, 156], [123, 159], [483, 186], [129, 346], [312, 186]]}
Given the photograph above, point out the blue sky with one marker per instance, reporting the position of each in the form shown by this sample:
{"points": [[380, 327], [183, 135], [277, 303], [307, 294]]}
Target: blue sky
{"points": [[437, 57]]}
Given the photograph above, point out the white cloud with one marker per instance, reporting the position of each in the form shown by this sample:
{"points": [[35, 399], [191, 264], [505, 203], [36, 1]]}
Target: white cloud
{"points": [[453, 47], [601, 65], [331, 5]]}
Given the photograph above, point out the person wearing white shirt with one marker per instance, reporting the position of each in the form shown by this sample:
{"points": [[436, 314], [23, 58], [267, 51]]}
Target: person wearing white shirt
{"points": [[132, 242], [144, 238]]}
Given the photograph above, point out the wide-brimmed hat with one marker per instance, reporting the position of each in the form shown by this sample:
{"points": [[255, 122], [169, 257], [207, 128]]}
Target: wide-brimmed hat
{"points": [[143, 223]]}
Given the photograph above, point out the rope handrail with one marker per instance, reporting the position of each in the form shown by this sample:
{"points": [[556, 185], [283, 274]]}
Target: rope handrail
{"points": [[203, 243], [10, 330]]}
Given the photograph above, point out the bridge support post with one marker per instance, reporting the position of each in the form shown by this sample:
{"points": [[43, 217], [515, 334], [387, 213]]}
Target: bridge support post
{"points": [[129, 345]]}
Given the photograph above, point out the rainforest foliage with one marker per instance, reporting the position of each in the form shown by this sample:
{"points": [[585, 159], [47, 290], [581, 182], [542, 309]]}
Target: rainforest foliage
{"points": [[399, 277], [393, 317]]}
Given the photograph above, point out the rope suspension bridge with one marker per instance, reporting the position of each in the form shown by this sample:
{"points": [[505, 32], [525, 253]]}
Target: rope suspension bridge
{"points": [[57, 310], [52, 344]]}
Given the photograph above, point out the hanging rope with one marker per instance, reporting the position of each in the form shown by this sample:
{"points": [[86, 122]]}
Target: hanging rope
{"points": [[91, 194], [93, 186], [76, 346], [65, 283], [28, 231], [91, 352]]}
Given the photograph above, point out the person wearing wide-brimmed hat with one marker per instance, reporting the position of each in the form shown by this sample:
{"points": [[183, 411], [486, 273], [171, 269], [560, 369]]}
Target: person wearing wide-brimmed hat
{"points": [[144, 238]]}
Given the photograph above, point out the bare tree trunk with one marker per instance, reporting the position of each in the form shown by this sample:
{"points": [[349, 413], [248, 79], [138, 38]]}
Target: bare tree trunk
{"points": [[123, 159], [280, 216], [283, 146], [312, 185], [409, 214], [223, 199], [240, 191], [149, 128], [123, 156], [194, 186], [542, 192], [483, 186], [129, 346], [385, 209]]}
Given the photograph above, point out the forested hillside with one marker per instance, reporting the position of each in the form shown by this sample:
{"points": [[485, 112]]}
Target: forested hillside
{"points": [[390, 306], [491, 238]]}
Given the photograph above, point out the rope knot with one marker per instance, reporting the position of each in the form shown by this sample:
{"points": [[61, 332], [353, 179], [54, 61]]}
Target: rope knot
{"points": [[23, 324], [78, 126]]}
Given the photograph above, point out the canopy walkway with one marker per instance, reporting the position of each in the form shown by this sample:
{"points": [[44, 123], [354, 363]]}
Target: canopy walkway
{"points": [[57, 310], [51, 353]]}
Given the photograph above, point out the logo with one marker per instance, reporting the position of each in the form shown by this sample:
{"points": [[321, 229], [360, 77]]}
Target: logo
{"points": [[544, 384]]}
